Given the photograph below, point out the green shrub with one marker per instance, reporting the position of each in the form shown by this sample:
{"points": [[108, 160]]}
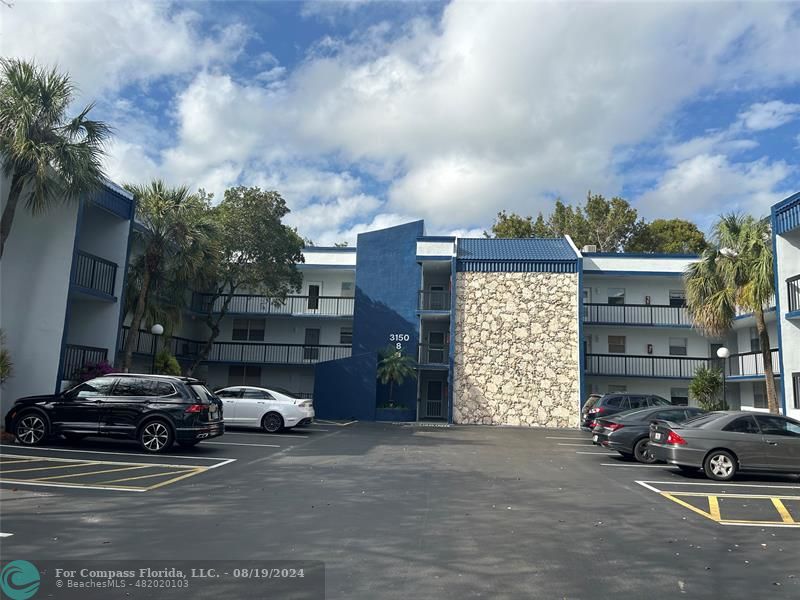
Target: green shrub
{"points": [[167, 364], [706, 388], [6, 366]]}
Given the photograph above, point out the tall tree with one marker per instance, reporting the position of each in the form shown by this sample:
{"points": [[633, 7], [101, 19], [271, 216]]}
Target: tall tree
{"points": [[671, 236], [736, 270], [48, 156], [177, 239], [511, 226], [258, 254]]}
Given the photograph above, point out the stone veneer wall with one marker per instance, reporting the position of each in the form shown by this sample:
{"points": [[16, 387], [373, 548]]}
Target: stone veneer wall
{"points": [[516, 356]]}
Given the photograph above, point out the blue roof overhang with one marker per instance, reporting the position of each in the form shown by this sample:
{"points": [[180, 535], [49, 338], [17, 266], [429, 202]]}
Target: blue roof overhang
{"points": [[786, 214]]}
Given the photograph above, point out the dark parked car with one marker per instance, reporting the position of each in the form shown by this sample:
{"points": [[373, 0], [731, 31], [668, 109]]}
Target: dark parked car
{"points": [[156, 410], [629, 433], [722, 443], [611, 404]]}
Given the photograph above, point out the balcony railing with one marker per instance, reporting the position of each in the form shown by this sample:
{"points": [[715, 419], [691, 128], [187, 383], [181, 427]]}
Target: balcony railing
{"points": [[631, 365], [433, 354], [94, 273], [751, 363], [793, 292], [637, 314], [434, 300], [244, 352], [76, 357], [326, 306]]}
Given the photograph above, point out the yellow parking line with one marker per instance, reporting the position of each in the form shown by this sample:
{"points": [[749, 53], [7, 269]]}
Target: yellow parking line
{"points": [[782, 511], [87, 473], [689, 506], [81, 464], [163, 483], [145, 476], [746, 496], [713, 508]]}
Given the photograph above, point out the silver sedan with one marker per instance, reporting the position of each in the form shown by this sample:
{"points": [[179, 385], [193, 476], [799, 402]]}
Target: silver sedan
{"points": [[723, 443]]}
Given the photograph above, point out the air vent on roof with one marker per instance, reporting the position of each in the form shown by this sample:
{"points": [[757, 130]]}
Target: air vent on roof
{"points": [[589, 248]]}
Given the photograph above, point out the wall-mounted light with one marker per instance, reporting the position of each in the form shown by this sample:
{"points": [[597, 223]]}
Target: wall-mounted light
{"points": [[649, 348]]}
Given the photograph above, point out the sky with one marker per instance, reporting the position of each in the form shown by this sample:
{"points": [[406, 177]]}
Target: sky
{"points": [[368, 114]]}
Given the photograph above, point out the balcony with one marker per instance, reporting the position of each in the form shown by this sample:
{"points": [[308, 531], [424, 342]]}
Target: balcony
{"points": [[434, 300], [240, 352], [244, 304], [630, 365], [793, 293], [653, 315], [751, 364], [94, 274], [434, 354], [76, 357]]}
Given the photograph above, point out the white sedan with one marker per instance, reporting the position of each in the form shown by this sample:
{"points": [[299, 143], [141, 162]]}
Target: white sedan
{"points": [[267, 409]]}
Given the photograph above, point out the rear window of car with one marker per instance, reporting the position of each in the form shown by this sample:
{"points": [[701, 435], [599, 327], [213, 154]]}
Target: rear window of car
{"points": [[202, 393], [615, 401], [659, 401], [701, 420]]}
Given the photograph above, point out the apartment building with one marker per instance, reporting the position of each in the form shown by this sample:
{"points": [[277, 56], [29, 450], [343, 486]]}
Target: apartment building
{"points": [[61, 282]]}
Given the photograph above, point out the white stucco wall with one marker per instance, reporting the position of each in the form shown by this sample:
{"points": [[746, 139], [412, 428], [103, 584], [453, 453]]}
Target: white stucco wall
{"points": [[435, 248], [328, 257], [634, 263], [787, 264]]}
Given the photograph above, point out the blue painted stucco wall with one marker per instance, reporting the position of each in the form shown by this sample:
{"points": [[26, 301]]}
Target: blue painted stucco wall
{"points": [[387, 284]]}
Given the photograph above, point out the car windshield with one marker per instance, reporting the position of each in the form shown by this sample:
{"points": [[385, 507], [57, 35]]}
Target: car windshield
{"points": [[701, 420]]}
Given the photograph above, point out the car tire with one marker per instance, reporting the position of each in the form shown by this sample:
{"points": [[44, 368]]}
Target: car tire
{"points": [[272, 422], [73, 438], [720, 465], [640, 452], [31, 428], [155, 436]]}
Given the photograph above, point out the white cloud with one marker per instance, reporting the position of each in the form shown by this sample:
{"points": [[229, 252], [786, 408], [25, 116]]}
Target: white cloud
{"points": [[769, 115]]}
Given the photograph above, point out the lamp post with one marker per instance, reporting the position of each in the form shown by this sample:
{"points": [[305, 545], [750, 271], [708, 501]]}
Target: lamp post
{"points": [[723, 353], [157, 330]]}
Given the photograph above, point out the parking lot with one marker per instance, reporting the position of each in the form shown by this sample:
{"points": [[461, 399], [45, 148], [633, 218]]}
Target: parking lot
{"points": [[392, 510]]}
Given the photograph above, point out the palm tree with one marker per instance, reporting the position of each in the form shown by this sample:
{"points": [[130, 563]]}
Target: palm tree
{"points": [[393, 368], [49, 157], [736, 271], [177, 240]]}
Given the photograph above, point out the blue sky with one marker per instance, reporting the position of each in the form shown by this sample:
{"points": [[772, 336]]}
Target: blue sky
{"points": [[366, 114]]}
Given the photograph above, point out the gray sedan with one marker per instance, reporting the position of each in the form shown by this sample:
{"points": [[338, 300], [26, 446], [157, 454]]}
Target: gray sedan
{"points": [[723, 443]]}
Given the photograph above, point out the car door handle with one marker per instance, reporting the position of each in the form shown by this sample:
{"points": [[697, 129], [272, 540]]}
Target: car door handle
{"points": [[261, 402]]}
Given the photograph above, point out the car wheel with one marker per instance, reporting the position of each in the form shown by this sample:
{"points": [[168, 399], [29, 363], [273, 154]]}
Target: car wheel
{"points": [[272, 422], [641, 452], [720, 465], [156, 436], [73, 438], [30, 429]]}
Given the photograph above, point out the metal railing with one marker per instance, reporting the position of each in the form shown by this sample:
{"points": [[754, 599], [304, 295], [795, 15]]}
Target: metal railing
{"points": [[434, 300], [793, 293], [752, 363], [636, 314], [76, 357], [94, 273], [433, 354], [246, 352], [333, 306], [682, 367]]}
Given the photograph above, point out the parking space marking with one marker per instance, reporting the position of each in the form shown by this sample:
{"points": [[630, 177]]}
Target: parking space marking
{"points": [[114, 470], [716, 491], [5, 535], [266, 435], [562, 437], [597, 453], [44, 448], [142, 477], [238, 444], [588, 444], [70, 466], [633, 465]]}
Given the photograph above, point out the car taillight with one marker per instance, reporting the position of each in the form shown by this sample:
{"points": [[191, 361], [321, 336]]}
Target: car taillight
{"points": [[596, 410], [615, 426], [194, 408], [592, 424], [674, 438]]}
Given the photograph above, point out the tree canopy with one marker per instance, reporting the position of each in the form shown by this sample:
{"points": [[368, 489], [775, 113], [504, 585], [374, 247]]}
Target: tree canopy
{"points": [[671, 236]]}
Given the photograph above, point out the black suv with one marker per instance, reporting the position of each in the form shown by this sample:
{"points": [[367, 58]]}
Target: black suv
{"points": [[156, 410], [611, 404]]}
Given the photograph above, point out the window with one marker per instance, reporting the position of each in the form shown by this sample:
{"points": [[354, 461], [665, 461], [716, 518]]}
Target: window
{"points": [[257, 395], [347, 289], [659, 401], [755, 341], [759, 394], [677, 346], [676, 415], [617, 402], [244, 375], [616, 295], [346, 336], [677, 298], [773, 425], [796, 389], [138, 386], [245, 330], [617, 388], [679, 396], [742, 425], [230, 393], [638, 402], [616, 344], [94, 387]]}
